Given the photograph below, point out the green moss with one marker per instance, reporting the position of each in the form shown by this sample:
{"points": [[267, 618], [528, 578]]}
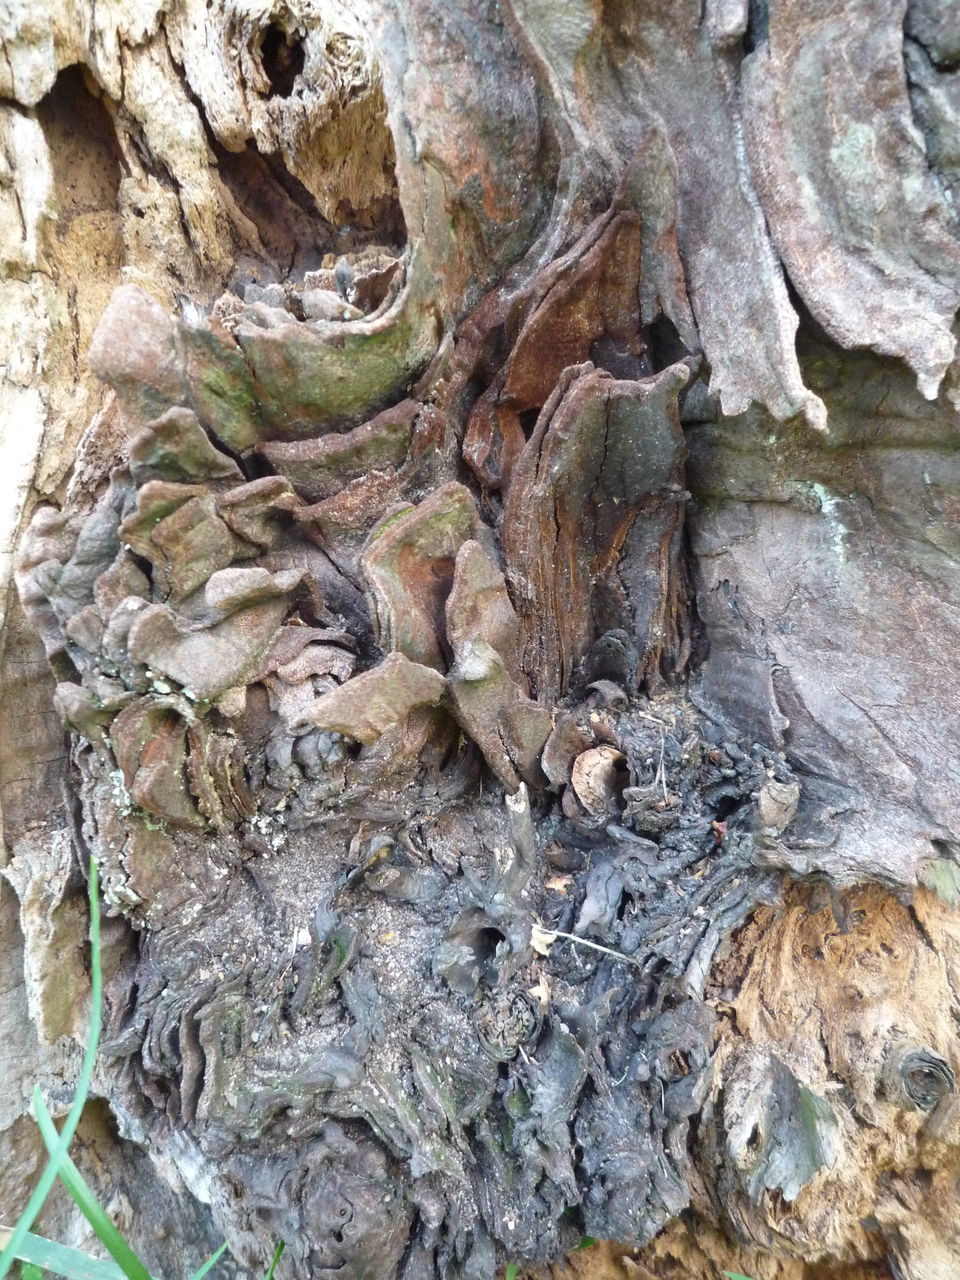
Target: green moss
{"points": [[943, 877], [304, 377]]}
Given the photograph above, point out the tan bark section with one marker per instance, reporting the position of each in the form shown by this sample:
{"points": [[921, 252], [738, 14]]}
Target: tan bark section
{"points": [[835, 996], [842, 992], [693, 1252]]}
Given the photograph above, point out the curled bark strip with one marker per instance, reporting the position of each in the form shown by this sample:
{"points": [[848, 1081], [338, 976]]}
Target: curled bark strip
{"points": [[864, 231]]}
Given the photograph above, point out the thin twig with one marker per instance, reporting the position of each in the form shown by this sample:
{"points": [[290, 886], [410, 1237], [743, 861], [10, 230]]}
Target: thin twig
{"points": [[653, 719], [594, 946]]}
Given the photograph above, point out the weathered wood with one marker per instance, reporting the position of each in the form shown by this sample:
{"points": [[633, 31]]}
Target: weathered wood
{"points": [[564, 400]]}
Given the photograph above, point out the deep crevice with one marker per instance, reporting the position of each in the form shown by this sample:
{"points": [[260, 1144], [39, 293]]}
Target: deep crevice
{"points": [[528, 420], [294, 233], [291, 228], [87, 161], [758, 26], [282, 58], [664, 344]]}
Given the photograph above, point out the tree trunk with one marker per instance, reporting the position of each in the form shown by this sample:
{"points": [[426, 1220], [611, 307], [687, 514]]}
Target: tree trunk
{"points": [[481, 486]]}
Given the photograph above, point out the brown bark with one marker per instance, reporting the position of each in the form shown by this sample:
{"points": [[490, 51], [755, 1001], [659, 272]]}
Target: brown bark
{"points": [[483, 498]]}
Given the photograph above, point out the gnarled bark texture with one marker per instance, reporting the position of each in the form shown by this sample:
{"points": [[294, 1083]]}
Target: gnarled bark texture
{"points": [[481, 490]]}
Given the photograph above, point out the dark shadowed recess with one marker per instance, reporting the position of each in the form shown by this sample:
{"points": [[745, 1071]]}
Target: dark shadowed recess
{"points": [[83, 148], [281, 54], [291, 228]]}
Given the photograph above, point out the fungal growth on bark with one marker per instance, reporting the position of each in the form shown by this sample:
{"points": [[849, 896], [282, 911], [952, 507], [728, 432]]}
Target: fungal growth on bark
{"points": [[282, 724], [504, 641]]}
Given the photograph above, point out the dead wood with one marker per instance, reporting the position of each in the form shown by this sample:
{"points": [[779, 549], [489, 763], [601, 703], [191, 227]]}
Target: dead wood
{"points": [[482, 496]]}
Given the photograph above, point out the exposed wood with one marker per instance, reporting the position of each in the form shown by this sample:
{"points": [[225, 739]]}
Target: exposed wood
{"points": [[482, 495]]}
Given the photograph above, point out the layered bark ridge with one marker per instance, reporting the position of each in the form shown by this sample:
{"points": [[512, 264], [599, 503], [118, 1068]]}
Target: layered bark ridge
{"points": [[494, 649]]}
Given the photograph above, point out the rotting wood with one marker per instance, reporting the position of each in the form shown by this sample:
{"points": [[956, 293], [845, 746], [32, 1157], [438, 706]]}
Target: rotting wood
{"points": [[524, 526]]}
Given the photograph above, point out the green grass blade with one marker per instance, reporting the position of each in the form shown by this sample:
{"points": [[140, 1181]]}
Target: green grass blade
{"points": [[210, 1262], [49, 1175], [87, 1202], [735, 1275], [277, 1255], [29, 1272], [511, 1272], [47, 1255]]}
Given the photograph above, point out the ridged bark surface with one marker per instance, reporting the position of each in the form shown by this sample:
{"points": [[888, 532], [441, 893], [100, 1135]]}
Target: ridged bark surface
{"points": [[478, 543]]}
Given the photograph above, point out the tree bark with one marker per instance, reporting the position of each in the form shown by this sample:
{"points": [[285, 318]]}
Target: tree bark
{"points": [[481, 487]]}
